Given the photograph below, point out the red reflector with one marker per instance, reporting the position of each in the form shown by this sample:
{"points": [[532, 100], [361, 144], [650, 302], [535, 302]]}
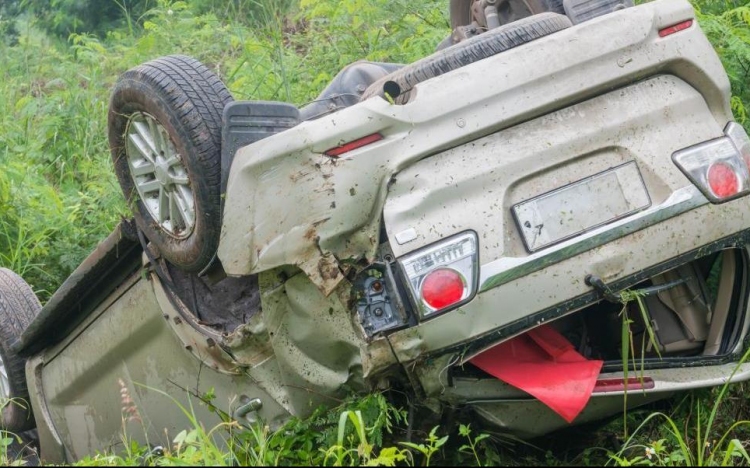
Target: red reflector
{"points": [[619, 385], [723, 180], [442, 288], [352, 145], [675, 28]]}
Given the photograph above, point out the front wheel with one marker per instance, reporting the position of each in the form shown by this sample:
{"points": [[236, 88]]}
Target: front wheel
{"points": [[165, 140], [18, 308]]}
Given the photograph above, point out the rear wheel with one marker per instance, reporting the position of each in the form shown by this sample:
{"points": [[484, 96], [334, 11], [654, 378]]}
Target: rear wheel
{"points": [[400, 83], [461, 10], [18, 308], [165, 140]]}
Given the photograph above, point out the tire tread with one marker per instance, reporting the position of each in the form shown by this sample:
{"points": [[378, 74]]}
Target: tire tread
{"points": [[195, 97], [18, 308], [469, 51]]}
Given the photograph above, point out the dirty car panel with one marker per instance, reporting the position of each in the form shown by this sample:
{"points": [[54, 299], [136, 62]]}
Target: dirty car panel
{"points": [[115, 369]]}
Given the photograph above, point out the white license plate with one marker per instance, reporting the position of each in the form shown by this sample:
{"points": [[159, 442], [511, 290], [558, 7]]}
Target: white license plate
{"points": [[581, 206]]}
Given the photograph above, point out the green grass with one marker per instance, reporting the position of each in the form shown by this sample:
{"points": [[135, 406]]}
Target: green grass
{"points": [[362, 431], [58, 193], [370, 431]]}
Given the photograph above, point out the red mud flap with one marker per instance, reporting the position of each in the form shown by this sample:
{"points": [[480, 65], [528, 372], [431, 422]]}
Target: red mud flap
{"points": [[544, 364]]}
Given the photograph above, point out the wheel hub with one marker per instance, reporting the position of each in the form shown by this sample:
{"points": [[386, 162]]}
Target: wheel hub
{"points": [[162, 171]]}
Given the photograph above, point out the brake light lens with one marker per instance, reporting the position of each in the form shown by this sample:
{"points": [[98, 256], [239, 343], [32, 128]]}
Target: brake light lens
{"points": [[719, 167], [352, 145], [675, 28], [722, 180], [444, 275], [443, 287]]}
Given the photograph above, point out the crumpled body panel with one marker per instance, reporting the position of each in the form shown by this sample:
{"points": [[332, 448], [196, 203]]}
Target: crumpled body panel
{"points": [[316, 352]]}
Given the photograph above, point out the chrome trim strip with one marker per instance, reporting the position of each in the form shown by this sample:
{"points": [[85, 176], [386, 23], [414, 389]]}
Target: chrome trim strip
{"points": [[507, 269], [665, 380]]}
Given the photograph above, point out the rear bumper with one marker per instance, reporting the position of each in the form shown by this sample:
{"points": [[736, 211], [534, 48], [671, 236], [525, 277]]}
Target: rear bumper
{"points": [[513, 411], [431, 351]]}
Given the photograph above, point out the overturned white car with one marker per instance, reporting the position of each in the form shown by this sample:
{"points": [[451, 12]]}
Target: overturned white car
{"points": [[473, 229]]}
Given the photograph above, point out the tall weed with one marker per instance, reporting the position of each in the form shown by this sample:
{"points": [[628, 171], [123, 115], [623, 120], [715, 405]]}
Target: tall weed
{"points": [[727, 25], [57, 186], [705, 445]]}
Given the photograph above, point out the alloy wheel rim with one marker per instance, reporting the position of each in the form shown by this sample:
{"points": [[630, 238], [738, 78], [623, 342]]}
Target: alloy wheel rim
{"points": [[159, 175], [4, 381]]}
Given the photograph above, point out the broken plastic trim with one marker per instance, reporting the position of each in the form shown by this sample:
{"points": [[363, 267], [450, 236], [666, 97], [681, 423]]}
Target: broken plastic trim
{"points": [[352, 145], [379, 307]]}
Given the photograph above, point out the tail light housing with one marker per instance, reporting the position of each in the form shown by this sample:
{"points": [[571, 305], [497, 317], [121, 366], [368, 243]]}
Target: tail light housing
{"points": [[444, 275], [720, 168]]}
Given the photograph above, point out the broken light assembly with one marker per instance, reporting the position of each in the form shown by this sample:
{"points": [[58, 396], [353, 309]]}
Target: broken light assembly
{"points": [[444, 275], [719, 167]]}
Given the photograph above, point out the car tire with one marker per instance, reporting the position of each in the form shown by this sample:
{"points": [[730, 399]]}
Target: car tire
{"points": [[18, 308], [164, 127], [460, 10], [466, 52]]}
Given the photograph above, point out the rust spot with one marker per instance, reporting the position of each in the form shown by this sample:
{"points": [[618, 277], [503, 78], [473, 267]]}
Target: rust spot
{"points": [[298, 175], [327, 270]]}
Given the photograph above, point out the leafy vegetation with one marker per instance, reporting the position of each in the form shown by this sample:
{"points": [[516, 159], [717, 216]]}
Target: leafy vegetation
{"points": [[58, 194], [59, 197], [64, 17], [727, 25]]}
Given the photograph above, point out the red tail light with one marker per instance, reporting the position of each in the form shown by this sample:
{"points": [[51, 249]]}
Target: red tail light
{"points": [[675, 28], [722, 180], [442, 288], [443, 275], [352, 145]]}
